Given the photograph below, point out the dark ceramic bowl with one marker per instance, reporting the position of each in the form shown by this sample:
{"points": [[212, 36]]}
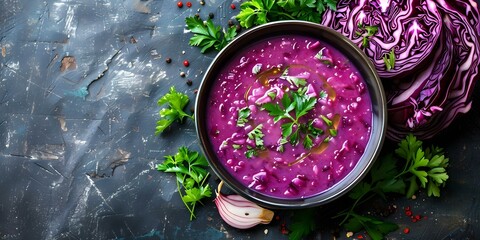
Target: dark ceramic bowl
{"points": [[336, 40]]}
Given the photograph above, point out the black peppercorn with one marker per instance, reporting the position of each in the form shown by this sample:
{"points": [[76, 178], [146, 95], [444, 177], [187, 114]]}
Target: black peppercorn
{"points": [[189, 82], [230, 23], [168, 60], [182, 74], [210, 15]]}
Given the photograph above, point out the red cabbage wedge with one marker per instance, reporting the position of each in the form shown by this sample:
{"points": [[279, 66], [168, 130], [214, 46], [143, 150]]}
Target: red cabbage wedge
{"points": [[425, 51]]}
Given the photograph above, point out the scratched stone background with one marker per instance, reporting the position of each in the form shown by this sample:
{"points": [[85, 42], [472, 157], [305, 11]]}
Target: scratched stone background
{"points": [[79, 81]]}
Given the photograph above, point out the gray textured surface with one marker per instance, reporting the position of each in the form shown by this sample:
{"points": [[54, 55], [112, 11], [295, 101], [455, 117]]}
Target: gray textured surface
{"points": [[77, 144]]}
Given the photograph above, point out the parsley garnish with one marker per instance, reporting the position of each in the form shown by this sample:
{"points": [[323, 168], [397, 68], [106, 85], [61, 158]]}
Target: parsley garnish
{"points": [[389, 60], [257, 136], [324, 57], [292, 107], [176, 103], [366, 32], [191, 173], [243, 115], [207, 35]]}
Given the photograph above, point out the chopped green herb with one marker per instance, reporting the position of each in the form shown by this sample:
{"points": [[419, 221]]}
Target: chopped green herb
{"points": [[191, 173], [176, 103], [366, 32], [236, 146], [323, 94], [389, 60], [250, 153], [272, 95], [323, 58], [243, 115], [296, 81], [257, 135], [326, 120], [333, 132]]}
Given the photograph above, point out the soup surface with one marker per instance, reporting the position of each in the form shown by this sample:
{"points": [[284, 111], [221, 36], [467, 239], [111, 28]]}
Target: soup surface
{"points": [[289, 117]]}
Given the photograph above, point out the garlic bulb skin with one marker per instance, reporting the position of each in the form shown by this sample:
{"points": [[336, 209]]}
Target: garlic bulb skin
{"points": [[239, 212]]}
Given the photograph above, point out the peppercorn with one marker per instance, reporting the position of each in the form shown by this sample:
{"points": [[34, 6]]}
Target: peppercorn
{"points": [[232, 6], [189, 82], [189, 4], [182, 74], [210, 15], [195, 91], [179, 4], [230, 23], [186, 63], [406, 230], [202, 3], [197, 15], [168, 60], [238, 28]]}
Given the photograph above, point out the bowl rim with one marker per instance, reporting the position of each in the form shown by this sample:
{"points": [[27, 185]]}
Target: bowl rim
{"points": [[348, 48]]}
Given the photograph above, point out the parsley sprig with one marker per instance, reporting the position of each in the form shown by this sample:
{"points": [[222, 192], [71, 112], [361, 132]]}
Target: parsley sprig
{"points": [[423, 167], [419, 167], [291, 108], [207, 35], [174, 112], [257, 12], [191, 173]]}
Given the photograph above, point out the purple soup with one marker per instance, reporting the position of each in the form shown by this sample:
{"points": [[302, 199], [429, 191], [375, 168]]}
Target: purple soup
{"points": [[289, 117]]}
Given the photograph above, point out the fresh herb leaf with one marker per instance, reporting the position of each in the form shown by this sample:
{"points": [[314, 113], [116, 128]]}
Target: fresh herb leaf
{"points": [[292, 107], [324, 56], [427, 167], [207, 35], [326, 120], [191, 173], [296, 81], [375, 228], [421, 169], [243, 115], [323, 94], [257, 12], [370, 31], [389, 60], [303, 223], [176, 103], [257, 135]]}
